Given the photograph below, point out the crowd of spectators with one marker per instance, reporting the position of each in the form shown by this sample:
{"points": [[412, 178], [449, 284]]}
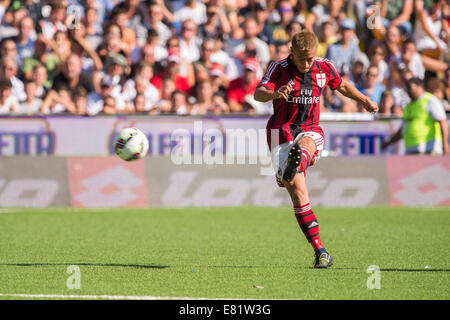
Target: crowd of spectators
{"points": [[193, 57]]}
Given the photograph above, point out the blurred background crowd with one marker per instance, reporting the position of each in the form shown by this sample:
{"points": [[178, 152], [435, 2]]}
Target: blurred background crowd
{"points": [[193, 57]]}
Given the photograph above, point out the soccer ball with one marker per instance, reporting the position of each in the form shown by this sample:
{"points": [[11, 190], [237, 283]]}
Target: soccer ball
{"points": [[131, 144]]}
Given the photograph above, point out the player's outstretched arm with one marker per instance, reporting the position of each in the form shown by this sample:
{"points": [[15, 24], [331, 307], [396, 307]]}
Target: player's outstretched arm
{"points": [[263, 94], [349, 90]]}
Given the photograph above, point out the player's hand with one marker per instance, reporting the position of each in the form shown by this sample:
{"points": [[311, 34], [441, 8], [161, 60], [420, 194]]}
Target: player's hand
{"points": [[284, 91], [371, 106]]}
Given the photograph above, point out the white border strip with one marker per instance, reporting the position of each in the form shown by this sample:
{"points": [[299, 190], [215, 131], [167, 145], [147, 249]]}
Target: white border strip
{"points": [[104, 297]]}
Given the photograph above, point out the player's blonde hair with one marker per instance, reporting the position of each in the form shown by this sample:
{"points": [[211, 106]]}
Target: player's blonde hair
{"points": [[305, 40]]}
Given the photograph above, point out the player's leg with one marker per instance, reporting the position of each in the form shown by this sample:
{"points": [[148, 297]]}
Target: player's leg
{"points": [[306, 219], [300, 157]]}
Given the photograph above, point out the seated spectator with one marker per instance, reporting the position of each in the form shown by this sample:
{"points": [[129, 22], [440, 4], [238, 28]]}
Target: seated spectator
{"points": [[154, 51], [172, 71], [387, 105], [282, 50], [241, 87], [411, 59], [55, 21], [42, 57], [9, 71], [32, 104], [327, 37], [397, 86], [59, 101], [90, 60], [61, 45], [109, 105], [112, 42], [265, 34], [136, 17], [429, 25], [394, 13], [163, 105], [192, 9], [101, 102], [219, 105], [219, 81], [342, 52], [236, 46], [128, 35], [202, 66], [203, 98], [139, 104], [327, 11], [141, 85], [8, 102], [11, 28], [8, 49], [393, 42], [219, 55], [79, 98], [94, 31], [25, 40], [155, 22], [285, 13], [293, 28], [189, 42], [40, 78], [371, 86], [216, 23], [377, 56], [360, 63], [115, 72], [186, 68], [68, 80], [179, 103]]}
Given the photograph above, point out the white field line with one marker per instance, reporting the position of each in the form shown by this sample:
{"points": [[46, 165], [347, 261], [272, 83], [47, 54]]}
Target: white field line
{"points": [[104, 297]]}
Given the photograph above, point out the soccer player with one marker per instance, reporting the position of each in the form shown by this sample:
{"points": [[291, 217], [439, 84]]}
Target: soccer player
{"points": [[293, 132]]}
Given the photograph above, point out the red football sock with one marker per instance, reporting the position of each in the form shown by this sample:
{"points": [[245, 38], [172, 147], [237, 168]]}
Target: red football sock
{"points": [[306, 160], [309, 225]]}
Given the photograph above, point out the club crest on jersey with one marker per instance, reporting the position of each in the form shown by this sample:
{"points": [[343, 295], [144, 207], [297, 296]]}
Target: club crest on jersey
{"points": [[321, 78]]}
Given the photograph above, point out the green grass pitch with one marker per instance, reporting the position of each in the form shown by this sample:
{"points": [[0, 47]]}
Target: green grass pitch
{"points": [[244, 252]]}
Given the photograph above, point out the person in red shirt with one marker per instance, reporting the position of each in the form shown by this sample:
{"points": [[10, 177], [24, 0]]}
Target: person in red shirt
{"points": [[243, 86], [171, 71], [294, 136]]}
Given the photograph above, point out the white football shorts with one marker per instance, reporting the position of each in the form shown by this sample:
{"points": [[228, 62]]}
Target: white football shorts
{"points": [[281, 152]]}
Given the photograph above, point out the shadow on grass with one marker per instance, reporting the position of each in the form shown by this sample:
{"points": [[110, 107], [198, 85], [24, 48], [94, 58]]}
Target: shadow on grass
{"points": [[138, 266], [414, 270], [144, 266], [397, 269]]}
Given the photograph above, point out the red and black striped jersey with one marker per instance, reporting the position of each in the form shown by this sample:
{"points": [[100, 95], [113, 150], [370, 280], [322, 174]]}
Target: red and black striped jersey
{"points": [[301, 110]]}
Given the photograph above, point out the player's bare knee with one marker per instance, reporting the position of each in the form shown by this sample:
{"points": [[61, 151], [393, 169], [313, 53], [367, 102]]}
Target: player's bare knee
{"points": [[308, 144]]}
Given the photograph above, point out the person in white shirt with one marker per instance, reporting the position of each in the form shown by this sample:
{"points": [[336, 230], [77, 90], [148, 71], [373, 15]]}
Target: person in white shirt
{"points": [[234, 47], [96, 101], [411, 60], [55, 21], [155, 17], [189, 42], [8, 103], [8, 70], [428, 27], [192, 9], [32, 104]]}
